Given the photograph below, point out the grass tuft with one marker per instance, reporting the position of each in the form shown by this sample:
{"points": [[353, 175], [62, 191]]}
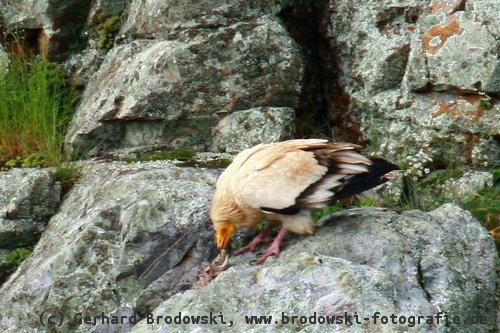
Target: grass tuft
{"points": [[36, 107]]}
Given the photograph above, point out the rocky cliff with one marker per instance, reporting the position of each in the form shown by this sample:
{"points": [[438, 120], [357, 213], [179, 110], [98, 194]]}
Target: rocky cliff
{"points": [[416, 81]]}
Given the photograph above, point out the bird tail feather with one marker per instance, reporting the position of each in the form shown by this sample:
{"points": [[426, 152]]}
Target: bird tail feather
{"points": [[365, 181]]}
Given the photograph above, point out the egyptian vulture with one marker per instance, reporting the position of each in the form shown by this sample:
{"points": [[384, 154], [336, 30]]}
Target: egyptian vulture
{"points": [[283, 182]]}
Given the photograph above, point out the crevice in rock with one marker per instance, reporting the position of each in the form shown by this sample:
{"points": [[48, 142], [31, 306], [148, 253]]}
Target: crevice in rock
{"points": [[420, 280], [65, 37], [304, 21]]}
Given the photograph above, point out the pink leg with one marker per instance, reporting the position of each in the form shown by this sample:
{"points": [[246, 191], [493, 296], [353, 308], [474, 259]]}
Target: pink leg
{"points": [[274, 248], [259, 239]]}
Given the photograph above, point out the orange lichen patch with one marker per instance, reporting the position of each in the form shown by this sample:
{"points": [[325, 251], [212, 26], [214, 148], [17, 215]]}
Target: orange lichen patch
{"points": [[454, 111], [449, 108], [471, 99], [435, 38], [475, 100]]}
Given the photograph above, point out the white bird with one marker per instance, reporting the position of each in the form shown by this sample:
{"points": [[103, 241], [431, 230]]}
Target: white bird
{"points": [[282, 182]]}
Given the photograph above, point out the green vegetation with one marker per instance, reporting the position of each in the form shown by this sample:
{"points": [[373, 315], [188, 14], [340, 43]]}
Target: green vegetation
{"points": [[15, 258], [342, 205], [184, 155], [11, 262], [36, 107], [108, 26], [318, 214], [434, 190], [485, 205], [67, 174]]}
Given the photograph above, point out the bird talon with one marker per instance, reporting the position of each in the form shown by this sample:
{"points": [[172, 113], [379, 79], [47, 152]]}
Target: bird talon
{"points": [[253, 262]]}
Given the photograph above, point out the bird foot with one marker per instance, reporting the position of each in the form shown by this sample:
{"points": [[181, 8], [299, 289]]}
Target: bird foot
{"points": [[274, 248], [259, 239]]}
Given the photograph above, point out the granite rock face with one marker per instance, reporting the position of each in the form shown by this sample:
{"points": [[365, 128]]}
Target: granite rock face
{"points": [[28, 198], [421, 73], [130, 240], [169, 81], [359, 262], [245, 129], [121, 229]]}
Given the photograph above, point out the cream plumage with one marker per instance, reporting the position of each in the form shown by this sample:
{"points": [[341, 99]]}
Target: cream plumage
{"points": [[282, 183]]}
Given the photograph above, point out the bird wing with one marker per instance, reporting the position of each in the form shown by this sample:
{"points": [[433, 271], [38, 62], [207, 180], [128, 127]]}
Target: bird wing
{"points": [[273, 176]]}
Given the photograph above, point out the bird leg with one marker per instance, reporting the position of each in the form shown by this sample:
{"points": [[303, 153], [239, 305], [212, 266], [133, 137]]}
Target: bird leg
{"points": [[274, 248], [259, 239]]}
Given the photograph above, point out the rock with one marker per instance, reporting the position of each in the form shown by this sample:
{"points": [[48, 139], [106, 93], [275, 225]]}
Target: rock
{"points": [[467, 186], [453, 130], [364, 262], [244, 129], [177, 20], [118, 231], [419, 76], [168, 93], [28, 198], [458, 50], [57, 28]]}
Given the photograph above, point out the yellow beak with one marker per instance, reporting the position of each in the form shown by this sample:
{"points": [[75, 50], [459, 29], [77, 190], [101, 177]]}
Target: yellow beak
{"points": [[223, 234]]}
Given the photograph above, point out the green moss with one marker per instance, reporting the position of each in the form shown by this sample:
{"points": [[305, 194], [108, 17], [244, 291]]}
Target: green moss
{"points": [[485, 103], [34, 160], [184, 155], [210, 164], [108, 26], [16, 257]]}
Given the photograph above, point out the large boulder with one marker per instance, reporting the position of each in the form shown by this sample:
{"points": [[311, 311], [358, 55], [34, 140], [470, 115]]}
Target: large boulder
{"points": [[244, 129], [423, 75], [373, 270], [131, 240], [121, 230], [170, 80], [28, 198]]}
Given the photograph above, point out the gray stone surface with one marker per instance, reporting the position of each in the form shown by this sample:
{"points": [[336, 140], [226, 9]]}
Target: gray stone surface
{"points": [[121, 228], [421, 74], [244, 129], [169, 93], [180, 19], [360, 262], [28, 198]]}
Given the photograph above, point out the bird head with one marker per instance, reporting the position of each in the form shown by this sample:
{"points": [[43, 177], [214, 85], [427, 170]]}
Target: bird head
{"points": [[225, 215], [223, 232]]}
